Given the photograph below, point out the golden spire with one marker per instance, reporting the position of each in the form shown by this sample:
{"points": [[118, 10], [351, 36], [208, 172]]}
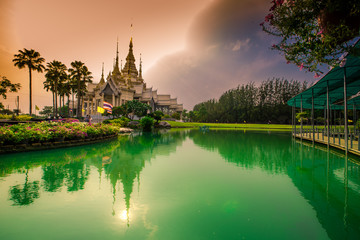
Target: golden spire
{"points": [[140, 68], [129, 67], [117, 51], [116, 71], [102, 72], [102, 80]]}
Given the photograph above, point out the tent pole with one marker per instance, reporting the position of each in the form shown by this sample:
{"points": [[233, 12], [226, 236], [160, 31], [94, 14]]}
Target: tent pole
{"points": [[354, 116], [301, 120], [295, 118], [328, 114], [292, 120], [345, 113], [312, 116]]}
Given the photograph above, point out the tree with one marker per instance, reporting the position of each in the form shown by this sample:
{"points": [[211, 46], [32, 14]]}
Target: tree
{"points": [[137, 108], [157, 115], [25, 194], [193, 115], [313, 32], [55, 77], [147, 123], [184, 115], [267, 102], [5, 86], [80, 74], [32, 60], [118, 111], [47, 110], [176, 115]]}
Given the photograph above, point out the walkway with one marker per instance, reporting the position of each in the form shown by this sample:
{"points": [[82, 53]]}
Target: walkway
{"points": [[335, 140]]}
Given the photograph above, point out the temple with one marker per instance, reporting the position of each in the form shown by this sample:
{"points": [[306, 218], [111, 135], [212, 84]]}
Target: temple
{"points": [[126, 84]]}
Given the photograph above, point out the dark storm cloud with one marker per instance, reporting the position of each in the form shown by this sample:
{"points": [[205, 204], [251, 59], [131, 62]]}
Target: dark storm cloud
{"points": [[226, 47]]}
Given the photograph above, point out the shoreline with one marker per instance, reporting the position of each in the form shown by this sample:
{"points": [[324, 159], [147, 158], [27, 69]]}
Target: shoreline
{"points": [[27, 147]]}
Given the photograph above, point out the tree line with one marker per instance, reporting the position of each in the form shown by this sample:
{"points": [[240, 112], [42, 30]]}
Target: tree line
{"points": [[265, 103]]}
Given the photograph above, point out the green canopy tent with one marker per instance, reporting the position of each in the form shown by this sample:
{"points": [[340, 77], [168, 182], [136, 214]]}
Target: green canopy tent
{"points": [[330, 91]]}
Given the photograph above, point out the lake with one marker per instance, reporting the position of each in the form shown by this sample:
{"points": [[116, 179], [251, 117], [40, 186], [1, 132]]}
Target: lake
{"points": [[182, 184]]}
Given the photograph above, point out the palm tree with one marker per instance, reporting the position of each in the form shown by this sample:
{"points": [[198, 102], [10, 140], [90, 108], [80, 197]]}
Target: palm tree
{"points": [[67, 87], [55, 76], [49, 87], [32, 60], [80, 75]]}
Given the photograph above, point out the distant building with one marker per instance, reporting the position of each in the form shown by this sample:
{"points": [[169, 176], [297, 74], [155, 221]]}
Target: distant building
{"points": [[126, 85]]}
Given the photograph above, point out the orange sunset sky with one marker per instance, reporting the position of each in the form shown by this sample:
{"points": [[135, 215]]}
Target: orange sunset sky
{"points": [[192, 49]]}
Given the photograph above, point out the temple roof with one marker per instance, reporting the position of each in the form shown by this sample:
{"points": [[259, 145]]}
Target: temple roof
{"points": [[110, 88], [102, 80], [129, 69], [116, 72]]}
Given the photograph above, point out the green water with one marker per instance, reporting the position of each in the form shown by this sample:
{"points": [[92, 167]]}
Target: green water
{"points": [[181, 185]]}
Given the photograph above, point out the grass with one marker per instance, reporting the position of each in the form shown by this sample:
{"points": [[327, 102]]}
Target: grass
{"points": [[248, 126], [282, 127]]}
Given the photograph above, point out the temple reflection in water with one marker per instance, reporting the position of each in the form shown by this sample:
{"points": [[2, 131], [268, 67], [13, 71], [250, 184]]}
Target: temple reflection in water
{"points": [[329, 181]]}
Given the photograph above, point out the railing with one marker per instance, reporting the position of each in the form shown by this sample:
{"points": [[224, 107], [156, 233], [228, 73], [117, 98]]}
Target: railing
{"points": [[336, 137]]}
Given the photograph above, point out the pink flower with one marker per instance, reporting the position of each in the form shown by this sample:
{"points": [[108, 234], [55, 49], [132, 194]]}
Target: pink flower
{"points": [[279, 2], [316, 75], [269, 17], [301, 66], [319, 33]]}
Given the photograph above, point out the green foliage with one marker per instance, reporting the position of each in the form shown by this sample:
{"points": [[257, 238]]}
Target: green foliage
{"points": [[64, 111], [166, 116], [120, 122], [176, 115], [185, 115], [23, 118], [6, 111], [47, 111], [313, 32], [56, 78], [157, 115], [147, 123], [52, 131], [278, 127], [193, 116], [33, 61], [6, 85], [357, 125], [80, 76], [250, 103], [5, 116], [137, 108], [302, 116], [320, 120], [118, 111]]}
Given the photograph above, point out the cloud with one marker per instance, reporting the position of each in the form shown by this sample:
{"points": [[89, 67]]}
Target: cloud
{"points": [[225, 48], [243, 45]]}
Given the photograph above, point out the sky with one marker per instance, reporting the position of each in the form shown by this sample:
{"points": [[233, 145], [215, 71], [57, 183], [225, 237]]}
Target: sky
{"points": [[194, 50]]}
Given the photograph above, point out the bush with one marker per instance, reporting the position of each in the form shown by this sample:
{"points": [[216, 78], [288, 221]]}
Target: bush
{"points": [[147, 123], [23, 118], [5, 116], [52, 131], [176, 115], [119, 122]]}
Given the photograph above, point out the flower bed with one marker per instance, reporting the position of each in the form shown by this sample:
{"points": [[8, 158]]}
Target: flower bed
{"points": [[45, 132]]}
